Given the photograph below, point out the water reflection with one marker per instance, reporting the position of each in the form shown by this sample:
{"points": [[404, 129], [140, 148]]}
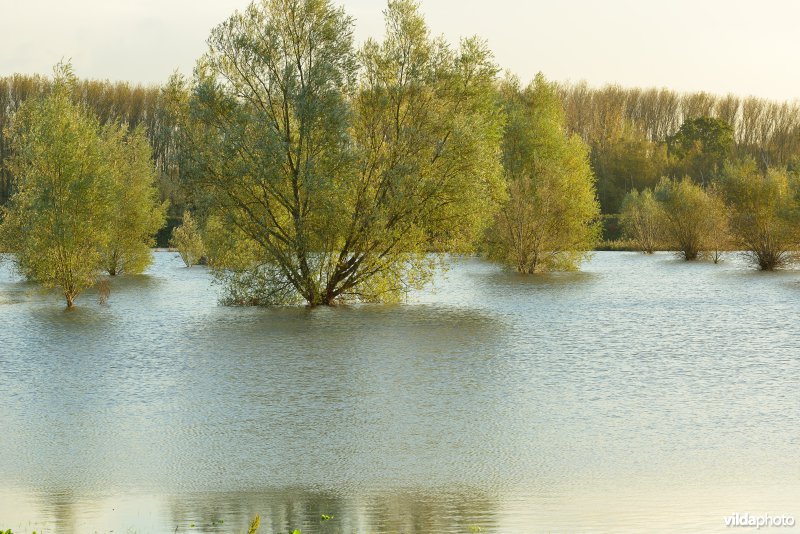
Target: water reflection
{"points": [[285, 510], [685, 507], [280, 510]]}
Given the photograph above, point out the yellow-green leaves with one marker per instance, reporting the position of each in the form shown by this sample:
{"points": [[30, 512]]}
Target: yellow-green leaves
{"points": [[187, 240], [137, 213], [765, 213], [694, 219], [255, 524], [57, 221], [331, 182], [549, 221], [641, 220], [83, 196]]}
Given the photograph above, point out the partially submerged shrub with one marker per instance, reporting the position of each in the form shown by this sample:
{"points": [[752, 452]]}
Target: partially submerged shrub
{"points": [[694, 220], [103, 291], [550, 220], [57, 223], [765, 219], [186, 239], [641, 220]]}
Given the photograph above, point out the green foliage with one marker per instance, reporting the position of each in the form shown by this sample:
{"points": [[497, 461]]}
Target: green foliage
{"points": [[765, 218], [626, 163], [254, 525], [134, 106], [621, 124], [694, 219], [170, 151], [641, 220], [626, 128], [701, 147], [187, 240], [137, 213], [85, 197], [550, 219], [58, 221], [719, 237], [329, 182]]}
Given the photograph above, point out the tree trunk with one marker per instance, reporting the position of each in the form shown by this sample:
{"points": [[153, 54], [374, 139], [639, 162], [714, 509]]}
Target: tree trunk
{"points": [[767, 261]]}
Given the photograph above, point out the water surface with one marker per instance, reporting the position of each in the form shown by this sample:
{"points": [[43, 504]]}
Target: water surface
{"points": [[642, 394]]}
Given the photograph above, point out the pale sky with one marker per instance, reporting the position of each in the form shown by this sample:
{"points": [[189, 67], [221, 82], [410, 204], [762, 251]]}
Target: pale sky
{"points": [[720, 46]]}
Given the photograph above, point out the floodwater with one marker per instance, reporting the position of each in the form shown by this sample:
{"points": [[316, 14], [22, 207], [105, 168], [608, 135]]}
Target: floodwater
{"points": [[643, 394]]}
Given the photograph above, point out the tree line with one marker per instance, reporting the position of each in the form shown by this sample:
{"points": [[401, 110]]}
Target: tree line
{"points": [[742, 209], [316, 171], [131, 105], [307, 169], [629, 132]]}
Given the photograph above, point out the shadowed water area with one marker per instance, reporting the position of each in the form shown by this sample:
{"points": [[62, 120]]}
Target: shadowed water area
{"points": [[642, 394]]}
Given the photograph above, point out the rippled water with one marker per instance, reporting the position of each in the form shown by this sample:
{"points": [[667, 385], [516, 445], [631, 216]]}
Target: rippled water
{"points": [[643, 394]]}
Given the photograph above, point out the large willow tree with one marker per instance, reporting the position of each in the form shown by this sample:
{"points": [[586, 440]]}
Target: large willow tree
{"points": [[331, 173]]}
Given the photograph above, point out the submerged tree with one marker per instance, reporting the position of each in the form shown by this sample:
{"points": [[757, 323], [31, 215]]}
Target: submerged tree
{"points": [[641, 220], [765, 219], [57, 222], [137, 213], [549, 221], [694, 220], [719, 237], [329, 182], [186, 239]]}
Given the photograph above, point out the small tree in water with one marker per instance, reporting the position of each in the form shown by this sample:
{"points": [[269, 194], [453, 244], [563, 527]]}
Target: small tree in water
{"points": [[641, 220], [720, 239], [186, 239], [137, 215], [693, 219], [549, 221], [765, 220], [57, 222]]}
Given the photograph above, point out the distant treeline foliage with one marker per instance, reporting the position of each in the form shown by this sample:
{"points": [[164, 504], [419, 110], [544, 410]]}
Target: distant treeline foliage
{"points": [[629, 131]]}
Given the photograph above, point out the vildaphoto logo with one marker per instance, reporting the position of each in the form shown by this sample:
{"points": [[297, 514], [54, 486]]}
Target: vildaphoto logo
{"points": [[758, 521]]}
